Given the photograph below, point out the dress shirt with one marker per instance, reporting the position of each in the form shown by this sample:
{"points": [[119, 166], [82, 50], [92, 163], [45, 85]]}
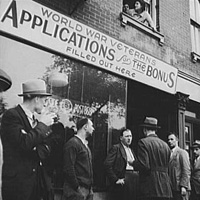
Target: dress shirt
{"points": [[130, 157], [30, 116], [85, 142], [196, 159]]}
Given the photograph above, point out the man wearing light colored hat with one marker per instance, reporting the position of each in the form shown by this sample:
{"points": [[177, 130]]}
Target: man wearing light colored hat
{"points": [[153, 156], [195, 176], [22, 137], [5, 84]]}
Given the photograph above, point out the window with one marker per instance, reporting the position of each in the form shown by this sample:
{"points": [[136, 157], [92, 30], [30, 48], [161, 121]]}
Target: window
{"points": [[151, 7], [90, 92], [128, 17], [195, 28]]}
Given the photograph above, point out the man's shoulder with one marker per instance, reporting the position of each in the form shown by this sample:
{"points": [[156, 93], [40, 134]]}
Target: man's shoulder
{"points": [[154, 140], [12, 111], [181, 151], [74, 141]]}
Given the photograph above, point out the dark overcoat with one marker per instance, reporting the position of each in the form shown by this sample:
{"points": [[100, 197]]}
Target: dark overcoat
{"points": [[21, 161], [154, 156], [115, 163]]}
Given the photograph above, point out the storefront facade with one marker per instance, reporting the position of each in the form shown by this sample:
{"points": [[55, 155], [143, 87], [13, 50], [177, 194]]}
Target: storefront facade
{"points": [[110, 79]]}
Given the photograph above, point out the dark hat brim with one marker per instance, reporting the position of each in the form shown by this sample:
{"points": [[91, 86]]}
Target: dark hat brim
{"points": [[5, 81], [35, 94], [150, 126]]}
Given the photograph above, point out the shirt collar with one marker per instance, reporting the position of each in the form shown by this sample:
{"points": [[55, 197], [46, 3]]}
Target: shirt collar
{"points": [[85, 142], [125, 147], [28, 113], [174, 149]]}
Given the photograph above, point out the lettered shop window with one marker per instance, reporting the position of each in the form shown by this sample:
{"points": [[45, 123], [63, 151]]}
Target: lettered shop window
{"points": [[195, 25], [95, 94], [88, 92], [151, 7]]}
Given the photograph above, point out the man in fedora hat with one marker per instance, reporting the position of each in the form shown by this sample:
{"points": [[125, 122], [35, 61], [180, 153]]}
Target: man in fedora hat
{"points": [[5, 84], [23, 143], [195, 176], [153, 156]]}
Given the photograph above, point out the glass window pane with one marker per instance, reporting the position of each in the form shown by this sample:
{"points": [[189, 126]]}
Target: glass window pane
{"points": [[192, 28], [197, 11], [198, 41], [192, 10], [90, 92]]}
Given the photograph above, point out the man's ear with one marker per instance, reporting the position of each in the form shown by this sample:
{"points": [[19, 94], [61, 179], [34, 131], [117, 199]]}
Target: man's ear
{"points": [[85, 126]]}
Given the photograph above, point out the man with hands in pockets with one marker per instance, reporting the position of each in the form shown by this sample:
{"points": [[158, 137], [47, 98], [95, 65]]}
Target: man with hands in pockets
{"points": [[120, 166]]}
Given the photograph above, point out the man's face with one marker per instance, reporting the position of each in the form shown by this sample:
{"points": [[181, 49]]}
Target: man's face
{"points": [[172, 141], [89, 128], [39, 104], [126, 138], [196, 151]]}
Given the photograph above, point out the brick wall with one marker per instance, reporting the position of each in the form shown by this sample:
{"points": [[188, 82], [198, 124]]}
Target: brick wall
{"points": [[103, 15]]}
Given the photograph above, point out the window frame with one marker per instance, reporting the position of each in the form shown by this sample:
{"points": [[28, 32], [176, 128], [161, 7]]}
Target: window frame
{"points": [[195, 29], [128, 20]]}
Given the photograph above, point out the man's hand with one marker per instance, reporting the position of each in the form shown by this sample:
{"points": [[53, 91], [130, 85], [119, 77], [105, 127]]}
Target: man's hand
{"points": [[47, 118], [183, 191], [120, 181]]}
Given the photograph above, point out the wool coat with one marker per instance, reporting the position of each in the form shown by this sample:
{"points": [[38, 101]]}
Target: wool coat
{"points": [[195, 176], [115, 168], [20, 174], [179, 169], [154, 156]]}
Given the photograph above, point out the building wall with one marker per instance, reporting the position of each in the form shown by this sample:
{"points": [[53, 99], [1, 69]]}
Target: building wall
{"points": [[174, 21], [104, 15]]}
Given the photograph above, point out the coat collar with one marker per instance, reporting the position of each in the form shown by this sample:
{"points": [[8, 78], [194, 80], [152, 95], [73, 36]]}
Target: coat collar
{"points": [[23, 116], [152, 135]]}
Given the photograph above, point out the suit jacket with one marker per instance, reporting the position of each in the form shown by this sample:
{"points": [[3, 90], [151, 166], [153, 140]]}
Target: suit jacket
{"points": [[179, 169], [21, 160], [195, 176], [154, 155], [115, 163]]}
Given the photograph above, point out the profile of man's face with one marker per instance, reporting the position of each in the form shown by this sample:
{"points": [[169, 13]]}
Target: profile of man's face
{"points": [[89, 127]]}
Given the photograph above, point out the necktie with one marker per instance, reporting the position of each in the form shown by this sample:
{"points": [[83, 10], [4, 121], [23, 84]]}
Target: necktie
{"points": [[34, 121]]}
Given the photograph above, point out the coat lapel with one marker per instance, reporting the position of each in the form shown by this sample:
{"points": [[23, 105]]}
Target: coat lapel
{"points": [[23, 117], [174, 154], [123, 152]]}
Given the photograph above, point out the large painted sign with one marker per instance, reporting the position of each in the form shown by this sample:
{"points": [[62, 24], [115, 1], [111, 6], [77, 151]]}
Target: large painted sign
{"points": [[46, 27]]}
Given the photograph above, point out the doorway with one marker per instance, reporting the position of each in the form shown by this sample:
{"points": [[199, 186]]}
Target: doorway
{"points": [[142, 101]]}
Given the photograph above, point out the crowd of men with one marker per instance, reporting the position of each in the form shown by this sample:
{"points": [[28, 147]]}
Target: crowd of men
{"points": [[159, 171]]}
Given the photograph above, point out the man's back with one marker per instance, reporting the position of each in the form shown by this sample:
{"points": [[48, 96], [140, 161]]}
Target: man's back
{"points": [[154, 155]]}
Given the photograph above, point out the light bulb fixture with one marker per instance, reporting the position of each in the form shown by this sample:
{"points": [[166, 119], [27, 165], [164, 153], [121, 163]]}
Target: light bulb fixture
{"points": [[58, 79]]}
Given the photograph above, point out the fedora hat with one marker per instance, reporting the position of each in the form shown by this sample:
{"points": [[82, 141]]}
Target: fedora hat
{"points": [[196, 144], [5, 81], [150, 122], [34, 87]]}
